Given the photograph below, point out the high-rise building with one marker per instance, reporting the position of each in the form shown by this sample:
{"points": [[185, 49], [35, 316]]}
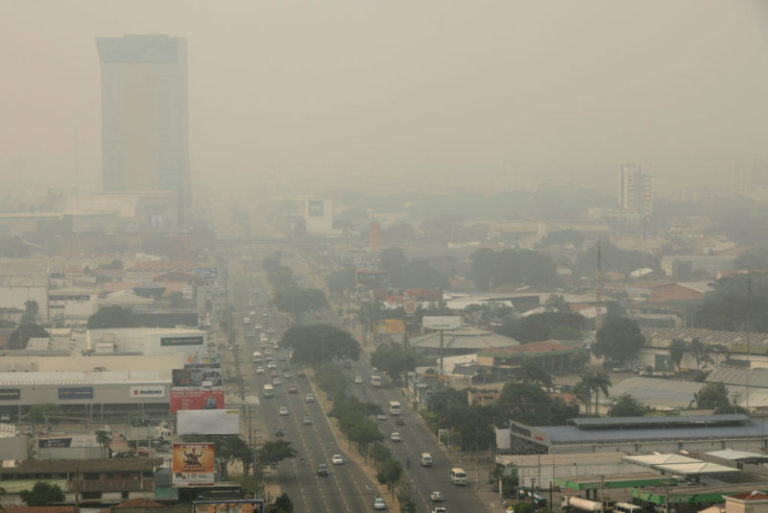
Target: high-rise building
{"points": [[635, 190], [144, 113]]}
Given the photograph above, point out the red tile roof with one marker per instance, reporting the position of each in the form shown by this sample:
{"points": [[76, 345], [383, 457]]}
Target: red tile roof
{"points": [[133, 503], [750, 496]]}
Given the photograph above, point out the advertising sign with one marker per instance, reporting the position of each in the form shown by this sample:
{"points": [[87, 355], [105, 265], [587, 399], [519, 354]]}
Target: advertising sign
{"points": [[10, 394], [75, 393], [196, 376], [142, 392], [208, 422], [54, 443], [207, 272], [182, 341], [192, 464], [372, 279], [229, 506], [441, 322], [391, 327], [192, 399]]}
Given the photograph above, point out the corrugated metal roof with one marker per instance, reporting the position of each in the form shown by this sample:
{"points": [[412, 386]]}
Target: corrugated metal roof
{"points": [[738, 376], [736, 341], [687, 420], [733, 455]]}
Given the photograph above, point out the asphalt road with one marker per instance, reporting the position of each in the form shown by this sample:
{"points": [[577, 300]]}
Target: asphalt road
{"points": [[347, 489]]}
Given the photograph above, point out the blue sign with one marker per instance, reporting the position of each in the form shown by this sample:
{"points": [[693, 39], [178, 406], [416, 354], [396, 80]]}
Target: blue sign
{"points": [[76, 393]]}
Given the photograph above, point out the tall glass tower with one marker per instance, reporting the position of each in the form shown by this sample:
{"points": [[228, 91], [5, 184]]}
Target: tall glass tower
{"points": [[144, 114]]}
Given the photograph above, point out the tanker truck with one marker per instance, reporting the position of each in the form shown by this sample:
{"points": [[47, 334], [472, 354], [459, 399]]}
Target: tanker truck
{"points": [[573, 504]]}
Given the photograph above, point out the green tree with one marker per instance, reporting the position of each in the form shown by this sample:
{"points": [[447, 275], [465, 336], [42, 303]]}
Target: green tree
{"points": [[627, 406], [112, 317], [104, 439], [31, 310], [19, 337], [363, 431], [753, 259], [532, 373], [595, 381], [392, 259], [618, 339], [529, 404], [712, 396], [700, 352], [393, 359], [557, 303], [389, 473], [273, 452], [42, 494], [283, 504], [543, 326], [677, 350], [320, 343]]}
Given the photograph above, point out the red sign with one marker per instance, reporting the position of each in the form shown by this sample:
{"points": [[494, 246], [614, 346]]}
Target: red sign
{"points": [[195, 399]]}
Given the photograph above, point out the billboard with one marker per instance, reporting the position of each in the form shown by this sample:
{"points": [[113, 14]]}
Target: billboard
{"points": [[182, 341], [191, 399], [391, 327], [229, 506], [373, 279], [10, 394], [75, 393], [192, 464], [441, 322], [208, 422], [198, 376], [143, 392]]}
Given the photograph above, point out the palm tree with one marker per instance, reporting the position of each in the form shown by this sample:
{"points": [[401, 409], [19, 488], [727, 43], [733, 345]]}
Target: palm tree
{"points": [[594, 380], [677, 350], [103, 438]]}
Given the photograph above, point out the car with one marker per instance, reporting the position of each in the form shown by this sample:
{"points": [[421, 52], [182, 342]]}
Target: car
{"points": [[379, 504], [337, 459], [283, 411], [309, 398], [358, 380], [323, 470], [300, 373], [293, 389], [439, 509], [395, 437], [307, 420], [273, 374], [400, 421], [259, 370], [276, 382], [436, 496], [271, 366], [381, 416], [288, 375], [279, 432]]}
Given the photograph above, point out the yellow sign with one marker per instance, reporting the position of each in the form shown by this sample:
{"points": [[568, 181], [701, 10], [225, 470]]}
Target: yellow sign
{"points": [[391, 327]]}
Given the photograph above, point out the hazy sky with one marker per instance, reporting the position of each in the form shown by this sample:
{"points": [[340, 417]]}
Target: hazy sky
{"points": [[405, 92]]}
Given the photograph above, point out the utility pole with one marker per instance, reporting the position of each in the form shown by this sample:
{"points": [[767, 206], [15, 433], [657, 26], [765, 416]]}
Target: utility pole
{"points": [[598, 285]]}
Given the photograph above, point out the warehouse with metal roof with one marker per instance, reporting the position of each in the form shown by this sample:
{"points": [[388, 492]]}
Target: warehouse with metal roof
{"points": [[699, 433]]}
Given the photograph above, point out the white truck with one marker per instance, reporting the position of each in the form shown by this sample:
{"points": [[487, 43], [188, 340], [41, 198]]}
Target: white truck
{"points": [[580, 504]]}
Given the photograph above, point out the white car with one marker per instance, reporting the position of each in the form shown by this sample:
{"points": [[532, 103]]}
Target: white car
{"points": [[259, 370], [436, 496], [276, 382], [271, 366], [307, 420], [336, 459], [378, 503], [283, 411], [309, 398], [440, 509], [381, 416], [358, 380], [395, 437]]}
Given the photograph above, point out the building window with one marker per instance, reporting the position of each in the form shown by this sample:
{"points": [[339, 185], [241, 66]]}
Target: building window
{"points": [[91, 495]]}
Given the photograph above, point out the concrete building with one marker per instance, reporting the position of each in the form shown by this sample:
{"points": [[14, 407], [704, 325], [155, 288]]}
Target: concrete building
{"points": [[635, 190], [148, 341], [72, 306], [318, 216], [144, 113]]}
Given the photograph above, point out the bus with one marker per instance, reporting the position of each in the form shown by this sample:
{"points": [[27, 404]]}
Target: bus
{"points": [[269, 390], [394, 407], [625, 507], [458, 476], [375, 380]]}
